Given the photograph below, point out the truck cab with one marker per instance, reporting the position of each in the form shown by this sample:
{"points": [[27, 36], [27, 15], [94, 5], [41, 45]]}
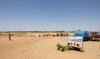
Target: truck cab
{"points": [[94, 36]]}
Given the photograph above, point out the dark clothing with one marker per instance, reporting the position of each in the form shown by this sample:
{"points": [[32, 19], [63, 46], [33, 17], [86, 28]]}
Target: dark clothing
{"points": [[9, 37], [39, 35]]}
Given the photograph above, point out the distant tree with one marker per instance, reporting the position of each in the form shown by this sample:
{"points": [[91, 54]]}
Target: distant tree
{"points": [[61, 31]]}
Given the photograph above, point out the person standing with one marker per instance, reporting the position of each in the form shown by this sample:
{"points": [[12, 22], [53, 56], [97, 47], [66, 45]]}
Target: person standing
{"points": [[9, 37], [43, 35], [39, 35]]}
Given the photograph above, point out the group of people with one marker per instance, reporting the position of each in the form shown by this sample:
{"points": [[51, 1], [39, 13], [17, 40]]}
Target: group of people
{"points": [[40, 35]]}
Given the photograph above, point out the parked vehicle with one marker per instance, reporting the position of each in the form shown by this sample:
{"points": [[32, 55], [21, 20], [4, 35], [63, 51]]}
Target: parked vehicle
{"points": [[84, 34], [94, 36]]}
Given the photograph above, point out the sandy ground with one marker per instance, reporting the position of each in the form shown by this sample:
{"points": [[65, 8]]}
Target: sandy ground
{"points": [[44, 48]]}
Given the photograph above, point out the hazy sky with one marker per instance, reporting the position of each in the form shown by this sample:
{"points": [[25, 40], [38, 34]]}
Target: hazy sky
{"points": [[49, 15]]}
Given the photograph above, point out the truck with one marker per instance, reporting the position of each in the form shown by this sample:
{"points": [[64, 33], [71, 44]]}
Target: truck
{"points": [[94, 36], [84, 34]]}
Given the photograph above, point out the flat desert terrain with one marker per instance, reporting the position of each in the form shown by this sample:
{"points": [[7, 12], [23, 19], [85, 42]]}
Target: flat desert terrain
{"points": [[44, 48]]}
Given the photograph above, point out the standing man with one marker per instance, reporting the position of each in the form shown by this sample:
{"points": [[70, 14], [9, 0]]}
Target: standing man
{"points": [[9, 37]]}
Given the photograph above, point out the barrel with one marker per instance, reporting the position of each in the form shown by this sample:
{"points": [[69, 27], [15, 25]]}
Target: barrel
{"points": [[85, 34]]}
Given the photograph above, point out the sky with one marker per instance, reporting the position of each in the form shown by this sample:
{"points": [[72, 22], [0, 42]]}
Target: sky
{"points": [[49, 15]]}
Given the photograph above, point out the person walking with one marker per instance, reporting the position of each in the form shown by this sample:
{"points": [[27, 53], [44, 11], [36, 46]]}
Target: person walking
{"points": [[9, 37]]}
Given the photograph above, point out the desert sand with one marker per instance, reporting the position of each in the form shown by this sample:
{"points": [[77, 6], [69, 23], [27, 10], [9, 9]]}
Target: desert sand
{"points": [[44, 48]]}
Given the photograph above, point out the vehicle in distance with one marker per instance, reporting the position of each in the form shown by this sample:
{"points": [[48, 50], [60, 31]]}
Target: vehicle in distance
{"points": [[94, 36]]}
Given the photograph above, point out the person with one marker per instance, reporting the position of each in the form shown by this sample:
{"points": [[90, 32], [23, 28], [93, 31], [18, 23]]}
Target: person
{"points": [[43, 35], [39, 35], [9, 37]]}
